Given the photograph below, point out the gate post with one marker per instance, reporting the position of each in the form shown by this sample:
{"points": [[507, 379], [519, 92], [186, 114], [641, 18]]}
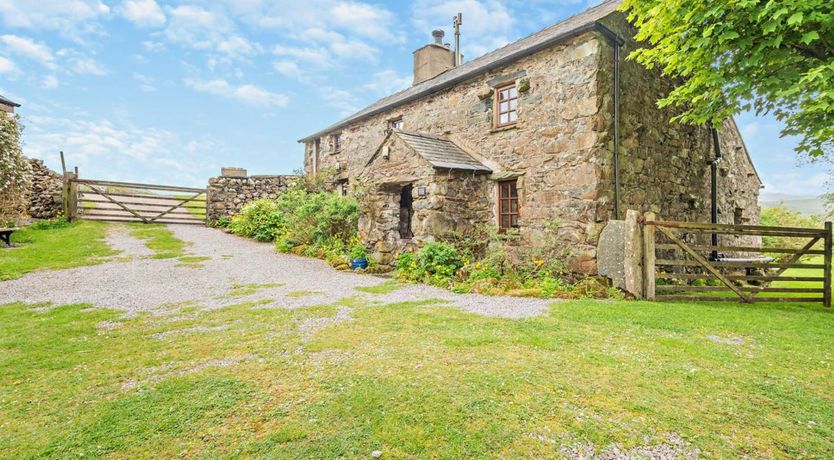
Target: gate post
{"points": [[648, 256], [70, 195], [827, 266]]}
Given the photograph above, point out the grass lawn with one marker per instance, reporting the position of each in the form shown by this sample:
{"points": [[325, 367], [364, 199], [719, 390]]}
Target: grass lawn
{"points": [[79, 243], [160, 240], [416, 380]]}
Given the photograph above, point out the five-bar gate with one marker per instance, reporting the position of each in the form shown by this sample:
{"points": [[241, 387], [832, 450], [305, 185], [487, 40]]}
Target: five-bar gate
{"points": [[134, 202], [680, 263]]}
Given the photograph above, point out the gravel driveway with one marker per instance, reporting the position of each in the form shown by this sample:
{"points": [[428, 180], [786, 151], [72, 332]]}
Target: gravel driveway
{"points": [[235, 270]]}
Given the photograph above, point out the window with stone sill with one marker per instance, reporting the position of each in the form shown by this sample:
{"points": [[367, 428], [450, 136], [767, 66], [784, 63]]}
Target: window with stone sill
{"points": [[508, 210], [396, 123], [506, 105]]}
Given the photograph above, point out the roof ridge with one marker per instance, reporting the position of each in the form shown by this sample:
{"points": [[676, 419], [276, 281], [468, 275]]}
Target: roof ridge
{"points": [[481, 64]]}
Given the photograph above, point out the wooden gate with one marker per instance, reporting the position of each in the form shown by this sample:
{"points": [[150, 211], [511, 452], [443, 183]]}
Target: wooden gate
{"points": [[133, 202], [680, 262]]}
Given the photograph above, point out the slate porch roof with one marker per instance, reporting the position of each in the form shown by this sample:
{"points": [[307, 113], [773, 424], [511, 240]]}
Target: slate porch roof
{"points": [[440, 152], [583, 22], [5, 101]]}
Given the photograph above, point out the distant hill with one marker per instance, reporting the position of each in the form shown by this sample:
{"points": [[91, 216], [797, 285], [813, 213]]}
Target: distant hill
{"points": [[803, 204]]}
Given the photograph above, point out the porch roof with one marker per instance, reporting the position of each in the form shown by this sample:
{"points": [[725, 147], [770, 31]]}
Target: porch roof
{"points": [[441, 152]]}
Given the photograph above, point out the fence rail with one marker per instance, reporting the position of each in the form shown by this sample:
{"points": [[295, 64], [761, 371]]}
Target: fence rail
{"points": [[682, 267]]}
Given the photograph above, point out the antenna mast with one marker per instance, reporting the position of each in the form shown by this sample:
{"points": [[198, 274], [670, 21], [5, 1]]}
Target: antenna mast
{"points": [[457, 21]]}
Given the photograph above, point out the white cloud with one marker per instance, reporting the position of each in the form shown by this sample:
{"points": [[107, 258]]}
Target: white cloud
{"points": [[238, 46], [8, 68], [86, 65], [487, 24], [72, 17], [288, 68], [249, 94], [196, 27], [111, 149], [146, 83], [28, 48], [797, 182], [49, 82], [364, 20], [81, 64], [388, 82], [316, 56], [343, 101], [153, 46], [143, 13]]}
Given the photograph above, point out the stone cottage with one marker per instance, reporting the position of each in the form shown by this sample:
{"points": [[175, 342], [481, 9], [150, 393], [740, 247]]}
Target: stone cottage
{"points": [[556, 127]]}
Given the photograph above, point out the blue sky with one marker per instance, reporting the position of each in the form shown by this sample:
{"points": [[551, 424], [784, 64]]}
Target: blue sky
{"points": [[170, 91]]}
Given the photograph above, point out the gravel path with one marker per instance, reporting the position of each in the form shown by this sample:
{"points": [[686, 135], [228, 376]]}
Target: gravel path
{"points": [[238, 270]]}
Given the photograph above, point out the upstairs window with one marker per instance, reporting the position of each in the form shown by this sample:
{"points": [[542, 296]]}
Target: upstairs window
{"points": [[396, 123], [336, 142], [507, 205], [506, 105]]}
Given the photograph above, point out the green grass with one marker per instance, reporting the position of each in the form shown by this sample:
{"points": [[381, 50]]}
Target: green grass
{"points": [[80, 243], [193, 207], [241, 290], [416, 380], [159, 239], [301, 294], [383, 288]]}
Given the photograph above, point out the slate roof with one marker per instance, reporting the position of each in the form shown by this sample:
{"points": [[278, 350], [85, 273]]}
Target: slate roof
{"points": [[440, 152], [5, 101], [571, 27]]}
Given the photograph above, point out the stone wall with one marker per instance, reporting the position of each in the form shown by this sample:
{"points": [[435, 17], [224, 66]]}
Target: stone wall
{"points": [[44, 199], [226, 195], [664, 166]]}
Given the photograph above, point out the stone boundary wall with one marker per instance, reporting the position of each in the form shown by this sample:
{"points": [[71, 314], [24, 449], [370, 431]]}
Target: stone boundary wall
{"points": [[44, 200], [227, 194]]}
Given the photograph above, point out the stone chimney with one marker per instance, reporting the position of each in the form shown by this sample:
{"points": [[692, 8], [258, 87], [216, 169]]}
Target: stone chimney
{"points": [[432, 59]]}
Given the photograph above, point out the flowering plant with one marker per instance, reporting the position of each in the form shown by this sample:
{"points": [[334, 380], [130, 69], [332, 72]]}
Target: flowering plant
{"points": [[15, 172]]}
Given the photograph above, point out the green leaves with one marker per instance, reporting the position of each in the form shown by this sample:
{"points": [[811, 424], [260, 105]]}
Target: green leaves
{"points": [[774, 56]]}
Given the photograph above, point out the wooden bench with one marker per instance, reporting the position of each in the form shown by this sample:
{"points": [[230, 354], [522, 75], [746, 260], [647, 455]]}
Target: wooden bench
{"points": [[6, 235]]}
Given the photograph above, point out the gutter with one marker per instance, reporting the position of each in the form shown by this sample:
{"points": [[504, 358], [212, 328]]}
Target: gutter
{"points": [[616, 42]]}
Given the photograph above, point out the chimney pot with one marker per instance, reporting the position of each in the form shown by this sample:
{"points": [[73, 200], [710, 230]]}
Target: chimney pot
{"points": [[438, 36]]}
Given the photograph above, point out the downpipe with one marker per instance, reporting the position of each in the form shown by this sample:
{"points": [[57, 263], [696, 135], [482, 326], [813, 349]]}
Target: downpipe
{"points": [[713, 167], [616, 42]]}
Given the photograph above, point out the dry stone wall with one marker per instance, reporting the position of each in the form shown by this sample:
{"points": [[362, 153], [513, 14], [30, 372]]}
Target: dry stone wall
{"points": [[226, 195], [44, 199]]}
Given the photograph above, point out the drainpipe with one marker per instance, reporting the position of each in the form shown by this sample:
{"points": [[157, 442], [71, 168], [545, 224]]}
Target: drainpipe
{"points": [[616, 42], [713, 168]]}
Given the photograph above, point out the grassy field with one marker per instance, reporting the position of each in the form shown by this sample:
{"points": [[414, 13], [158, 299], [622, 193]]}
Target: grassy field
{"points": [[412, 380], [77, 244], [416, 380]]}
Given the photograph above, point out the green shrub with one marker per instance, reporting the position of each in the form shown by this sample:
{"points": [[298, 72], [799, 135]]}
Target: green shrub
{"points": [[436, 263], [358, 251], [782, 217], [259, 220]]}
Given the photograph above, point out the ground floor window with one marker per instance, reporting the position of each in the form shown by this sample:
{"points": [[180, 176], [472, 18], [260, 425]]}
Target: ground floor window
{"points": [[406, 212], [507, 204]]}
